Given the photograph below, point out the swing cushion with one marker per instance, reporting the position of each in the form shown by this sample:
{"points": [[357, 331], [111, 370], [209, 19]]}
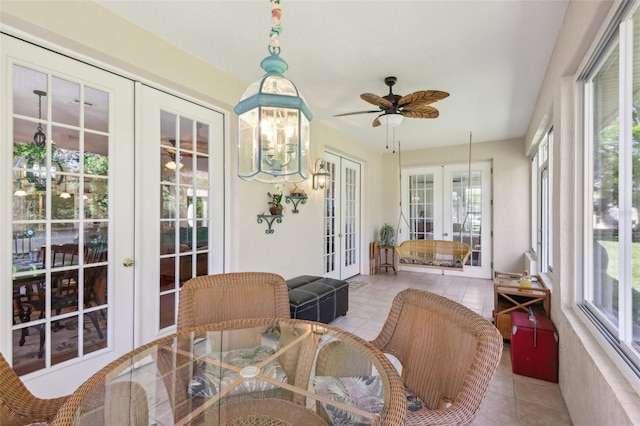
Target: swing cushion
{"points": [[441, 254]]}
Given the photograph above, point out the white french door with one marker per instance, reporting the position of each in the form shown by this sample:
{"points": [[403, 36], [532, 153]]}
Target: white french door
{"points": [[451, 202], [67, 161], [342, 218], [180, 204]]}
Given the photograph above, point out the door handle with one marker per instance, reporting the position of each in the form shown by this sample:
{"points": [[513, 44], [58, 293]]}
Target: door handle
{"points": [[446, 234], [128, 262]]}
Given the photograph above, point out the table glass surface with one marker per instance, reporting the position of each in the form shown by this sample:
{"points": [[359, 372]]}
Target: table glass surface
{"points": [[513, 279], [259, 371]]}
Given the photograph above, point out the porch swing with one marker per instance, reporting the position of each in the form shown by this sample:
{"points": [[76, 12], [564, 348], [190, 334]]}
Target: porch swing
{"points": [[437, 254]]}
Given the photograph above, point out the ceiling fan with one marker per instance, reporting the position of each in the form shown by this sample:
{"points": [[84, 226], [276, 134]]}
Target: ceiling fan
{"points": [[393, 107]]}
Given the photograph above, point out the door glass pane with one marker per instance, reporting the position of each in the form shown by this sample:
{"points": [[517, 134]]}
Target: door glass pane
{"points": [[350, 220], [466, 212], [185, 215], [60, 223], [421, 207], [330, 232], [65, 102], [96, 113]]}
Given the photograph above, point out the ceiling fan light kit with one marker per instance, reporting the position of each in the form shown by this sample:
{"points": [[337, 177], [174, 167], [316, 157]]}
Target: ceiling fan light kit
{"points": [[394, 107], [273, 121], [390, 120]]}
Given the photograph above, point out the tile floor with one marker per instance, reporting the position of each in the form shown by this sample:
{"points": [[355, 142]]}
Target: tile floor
{"points": [[512, 399]]}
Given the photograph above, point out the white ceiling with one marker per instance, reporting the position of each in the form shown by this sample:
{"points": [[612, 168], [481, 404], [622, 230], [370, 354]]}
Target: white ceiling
{"points": [[491, 56]]}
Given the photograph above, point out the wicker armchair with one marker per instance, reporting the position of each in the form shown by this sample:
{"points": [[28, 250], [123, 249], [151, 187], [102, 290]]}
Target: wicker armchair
{"points": [[213, 298], [18, 406], [448, 353]]}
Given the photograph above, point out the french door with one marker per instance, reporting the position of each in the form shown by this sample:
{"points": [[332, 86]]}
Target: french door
{"points": [[68, 167], [342, 218], [451, 202], [179, 205], [95, 271]]}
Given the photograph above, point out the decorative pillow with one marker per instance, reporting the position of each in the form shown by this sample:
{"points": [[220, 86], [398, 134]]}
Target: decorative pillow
{"points": [[209, 379], [364, 392]]}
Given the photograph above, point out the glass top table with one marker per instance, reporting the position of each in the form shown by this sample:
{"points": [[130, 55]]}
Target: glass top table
{"points": [[251, 371]]}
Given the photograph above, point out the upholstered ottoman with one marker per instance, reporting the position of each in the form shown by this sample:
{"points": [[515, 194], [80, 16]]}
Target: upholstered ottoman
{"points": [[317, 298]]}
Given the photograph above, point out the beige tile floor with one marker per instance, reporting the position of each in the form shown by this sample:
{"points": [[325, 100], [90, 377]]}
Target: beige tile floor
{"points": [[512, 399]]}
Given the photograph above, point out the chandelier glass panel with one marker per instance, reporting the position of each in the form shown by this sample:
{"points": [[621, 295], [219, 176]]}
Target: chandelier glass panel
{"points": [[273, 122]]}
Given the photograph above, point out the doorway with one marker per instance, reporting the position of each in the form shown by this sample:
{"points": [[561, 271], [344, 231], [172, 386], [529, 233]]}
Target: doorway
{"points": [[342, 218], [451, 202], [71, 170]]}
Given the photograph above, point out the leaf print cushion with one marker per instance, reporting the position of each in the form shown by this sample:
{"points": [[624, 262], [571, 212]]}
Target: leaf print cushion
{"points": [[209, 379], [364, 392]]}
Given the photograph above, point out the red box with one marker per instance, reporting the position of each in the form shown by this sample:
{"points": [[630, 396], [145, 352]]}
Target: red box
{"points": [[534, 346]]}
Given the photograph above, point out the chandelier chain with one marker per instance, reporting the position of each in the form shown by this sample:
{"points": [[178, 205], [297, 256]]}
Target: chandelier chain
{"points": [[276, 29]]}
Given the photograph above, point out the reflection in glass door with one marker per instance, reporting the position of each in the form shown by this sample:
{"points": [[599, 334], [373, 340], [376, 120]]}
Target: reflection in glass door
{"points": [[466, 212], [63, 216]]}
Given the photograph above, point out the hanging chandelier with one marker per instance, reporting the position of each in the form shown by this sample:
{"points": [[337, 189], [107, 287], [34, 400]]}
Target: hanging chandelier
{"points": [[273, 121], [31, 166]]}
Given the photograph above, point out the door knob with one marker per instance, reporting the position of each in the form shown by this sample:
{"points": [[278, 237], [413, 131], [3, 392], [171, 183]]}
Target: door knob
{"points": [[446, 234], [128, 262]]}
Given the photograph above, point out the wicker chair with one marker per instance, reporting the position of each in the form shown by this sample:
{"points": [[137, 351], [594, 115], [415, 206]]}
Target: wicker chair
{"points": [[18, 406], [213, 298], [120, 403], [448, 353]]}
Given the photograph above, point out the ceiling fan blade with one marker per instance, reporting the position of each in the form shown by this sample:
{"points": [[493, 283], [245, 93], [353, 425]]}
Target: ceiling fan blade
{"points": [[172, 151], [422, 97], [357, 112], [376, 100], [376, 122], [421, 111]]}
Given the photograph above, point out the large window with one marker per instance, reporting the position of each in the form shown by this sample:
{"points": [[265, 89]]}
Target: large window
{"points": [[611, 93]]}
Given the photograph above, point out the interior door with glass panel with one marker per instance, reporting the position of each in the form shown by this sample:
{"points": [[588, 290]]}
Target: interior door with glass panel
{"points": [[342, 218], [71, 169], [180, 204], [451, 202]]}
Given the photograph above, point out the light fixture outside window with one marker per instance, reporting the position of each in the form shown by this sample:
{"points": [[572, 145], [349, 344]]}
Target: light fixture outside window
{"points": [[273, 121], [321, 175]]}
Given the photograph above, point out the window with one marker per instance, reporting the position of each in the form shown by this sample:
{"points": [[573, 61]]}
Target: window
{"points": [[544, 205], [541, 184], [611, 261]]}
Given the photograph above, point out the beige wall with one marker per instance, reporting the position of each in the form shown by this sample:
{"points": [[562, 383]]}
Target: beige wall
{"points": [[596, 391]]}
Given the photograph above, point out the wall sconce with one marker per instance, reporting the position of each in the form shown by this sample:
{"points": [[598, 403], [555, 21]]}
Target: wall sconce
{"points": [[321, 175]]}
